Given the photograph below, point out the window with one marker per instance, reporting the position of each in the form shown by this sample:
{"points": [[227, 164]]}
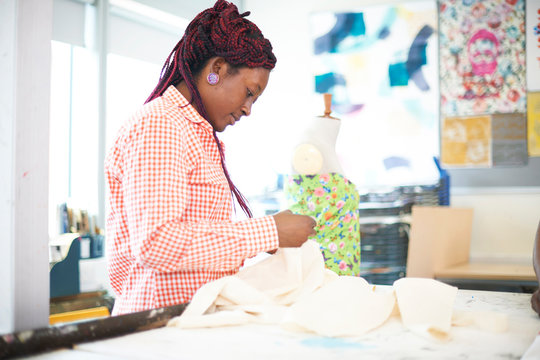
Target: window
{"points": [[129, 83], [73, 131]]}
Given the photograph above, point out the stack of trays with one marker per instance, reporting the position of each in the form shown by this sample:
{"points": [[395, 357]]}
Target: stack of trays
{"points": [[429, 195], [384, 246], [381, 209], [384, 226]]}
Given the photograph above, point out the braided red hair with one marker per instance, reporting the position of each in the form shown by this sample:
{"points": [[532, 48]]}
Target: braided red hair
{"points": [[218, 31]]}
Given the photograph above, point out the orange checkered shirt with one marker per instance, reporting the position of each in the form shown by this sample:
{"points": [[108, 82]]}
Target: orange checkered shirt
{"points": [[169, 227]]}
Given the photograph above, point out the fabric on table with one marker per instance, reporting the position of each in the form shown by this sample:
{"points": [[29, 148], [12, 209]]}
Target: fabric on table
{"points": [[289, 276], [294, 289], [333, 201], [484, 320], [426, 306], [169, 227], [347, 306]]}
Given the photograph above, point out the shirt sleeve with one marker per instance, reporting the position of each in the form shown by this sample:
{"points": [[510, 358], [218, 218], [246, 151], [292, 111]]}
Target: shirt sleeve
{"points": [[158, 161]]}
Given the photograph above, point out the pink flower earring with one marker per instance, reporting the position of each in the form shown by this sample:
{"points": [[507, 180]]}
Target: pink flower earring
{"points": [[212, 78]]}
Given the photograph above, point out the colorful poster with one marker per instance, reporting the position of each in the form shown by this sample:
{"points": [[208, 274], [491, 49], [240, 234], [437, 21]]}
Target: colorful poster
{"points": [[533, 123], [533, 45], [509, 146], [466, 141], [380, 65], [482, 57]]}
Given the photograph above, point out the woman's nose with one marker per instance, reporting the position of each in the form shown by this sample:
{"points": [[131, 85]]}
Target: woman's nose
{"points": [[246, 109]]}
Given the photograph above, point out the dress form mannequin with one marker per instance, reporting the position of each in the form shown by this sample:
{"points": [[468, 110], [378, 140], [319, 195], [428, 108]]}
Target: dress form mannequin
{"points": [[316, 153], [316, 187]]}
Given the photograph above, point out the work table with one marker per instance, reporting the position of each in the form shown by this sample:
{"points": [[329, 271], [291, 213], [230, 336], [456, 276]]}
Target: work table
{"points": [[390, 341], [489, 271]]}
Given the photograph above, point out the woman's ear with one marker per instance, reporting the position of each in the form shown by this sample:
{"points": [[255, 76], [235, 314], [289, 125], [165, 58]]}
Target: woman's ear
{"points": [[214, 66], [217, 65]]}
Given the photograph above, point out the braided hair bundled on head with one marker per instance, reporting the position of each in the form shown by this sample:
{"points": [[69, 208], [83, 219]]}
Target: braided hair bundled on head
{"points": [[218, 31]]}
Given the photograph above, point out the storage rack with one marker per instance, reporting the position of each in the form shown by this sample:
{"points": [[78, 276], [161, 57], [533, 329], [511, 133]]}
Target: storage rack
{"points": [[385, 224]]}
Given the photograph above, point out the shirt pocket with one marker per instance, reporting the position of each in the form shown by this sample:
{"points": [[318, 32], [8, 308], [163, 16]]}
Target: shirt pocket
{"points": [[208, 173], [209, 192]]}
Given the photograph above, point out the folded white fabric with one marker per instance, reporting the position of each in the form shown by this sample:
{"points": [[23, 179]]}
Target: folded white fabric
{"points": [[483, 320], [262, 291], [291, 287], [289, 274], [426, 306], [347, 306]]}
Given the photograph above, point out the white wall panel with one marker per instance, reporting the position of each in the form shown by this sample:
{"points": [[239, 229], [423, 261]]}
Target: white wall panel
{"points": [[135, 40], [68, 22], [504, 222], [25, 36]]}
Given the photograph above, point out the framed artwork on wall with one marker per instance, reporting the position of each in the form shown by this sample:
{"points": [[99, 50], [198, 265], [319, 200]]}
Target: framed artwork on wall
{"points": [[380, 65]]}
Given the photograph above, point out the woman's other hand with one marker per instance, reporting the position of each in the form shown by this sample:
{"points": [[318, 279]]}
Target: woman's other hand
{"points": [[293, 230]]}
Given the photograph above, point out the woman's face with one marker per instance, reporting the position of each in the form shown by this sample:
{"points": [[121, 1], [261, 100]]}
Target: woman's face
{"points": [[234, 94]]}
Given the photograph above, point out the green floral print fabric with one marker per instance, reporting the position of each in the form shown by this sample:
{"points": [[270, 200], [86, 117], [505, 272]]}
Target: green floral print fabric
{"points": [[333, 201]]}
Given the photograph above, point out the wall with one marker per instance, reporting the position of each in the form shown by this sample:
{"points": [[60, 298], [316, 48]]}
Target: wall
{"points": [[505, 219], [504, 224], [25, 35]]}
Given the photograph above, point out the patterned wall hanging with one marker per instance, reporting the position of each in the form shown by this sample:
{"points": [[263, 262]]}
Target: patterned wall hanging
{"points": [[533, 45], [482, 57]]}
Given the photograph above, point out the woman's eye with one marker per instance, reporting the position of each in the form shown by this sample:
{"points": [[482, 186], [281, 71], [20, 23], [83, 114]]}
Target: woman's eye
{"points": [[249, 93]]}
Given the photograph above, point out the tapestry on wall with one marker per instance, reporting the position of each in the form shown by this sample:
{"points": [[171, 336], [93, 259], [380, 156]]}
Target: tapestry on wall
{"points": [[466, 141], [533, 123], [484, 140], [482, 57], [533, 45], [380, 65], [533, 76], [509, 145]]}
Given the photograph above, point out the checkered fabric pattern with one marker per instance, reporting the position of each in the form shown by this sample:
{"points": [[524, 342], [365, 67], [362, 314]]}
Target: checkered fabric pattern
{"points": [[169, 227]]}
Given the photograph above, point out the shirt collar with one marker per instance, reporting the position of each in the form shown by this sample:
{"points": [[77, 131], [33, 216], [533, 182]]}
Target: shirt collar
{"points": [[188, 111]]}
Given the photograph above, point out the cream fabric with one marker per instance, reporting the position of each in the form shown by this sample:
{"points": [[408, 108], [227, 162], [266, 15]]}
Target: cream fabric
{"points": [[347, 306], [426, 306], [292, 288]]}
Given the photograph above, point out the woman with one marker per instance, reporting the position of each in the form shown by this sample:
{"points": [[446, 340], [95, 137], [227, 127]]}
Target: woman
{"points": [[535, 299], [169, 228]]}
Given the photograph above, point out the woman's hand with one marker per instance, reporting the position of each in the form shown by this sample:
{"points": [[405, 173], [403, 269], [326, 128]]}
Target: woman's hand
{"points": [[293, 230]]}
